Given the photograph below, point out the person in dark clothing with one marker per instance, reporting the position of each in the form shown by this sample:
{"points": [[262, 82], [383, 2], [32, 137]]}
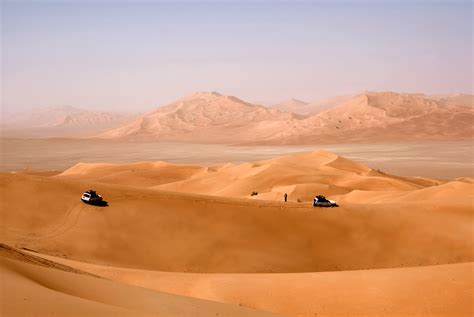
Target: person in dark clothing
{"points": [[286, 197]]}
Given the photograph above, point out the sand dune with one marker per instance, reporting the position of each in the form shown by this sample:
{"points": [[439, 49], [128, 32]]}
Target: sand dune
{"points": [[311, 108], [153, 229], [202, 245], [146, 174], [40, 117], [462, 100], [293, 105], [34, 290], [203, 116], [209, 117], [367, 117], [445, 288], [383, 117], [457, 193], [298, 175], [63, 121]]}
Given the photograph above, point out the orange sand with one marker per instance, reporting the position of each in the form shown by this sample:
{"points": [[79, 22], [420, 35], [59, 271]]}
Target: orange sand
{"points": [[395, 246]]}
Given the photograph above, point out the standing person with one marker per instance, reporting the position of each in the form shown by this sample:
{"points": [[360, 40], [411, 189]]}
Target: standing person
{"points": [[286, 197]]}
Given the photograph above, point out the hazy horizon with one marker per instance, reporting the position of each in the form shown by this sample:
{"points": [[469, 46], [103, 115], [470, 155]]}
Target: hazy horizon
{"points": [[127, 56], [131, 111]]}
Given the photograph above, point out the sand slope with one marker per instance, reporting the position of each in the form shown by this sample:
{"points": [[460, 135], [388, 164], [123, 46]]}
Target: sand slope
{"points": [[33, 290], [395, 246], [64, 121], [293, 105], [367, 117], [301, 176], [166, 231], [202, 116], [447, 290], [146, 174], [463, 100], [311, 108], [383, 117]]}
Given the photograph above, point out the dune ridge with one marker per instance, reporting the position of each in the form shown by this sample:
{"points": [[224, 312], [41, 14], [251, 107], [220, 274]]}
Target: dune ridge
{"points": [[47, 291], [189, 240], [210, 117], [365, 117], [204, 208], [200, 116], [62, 121], [388, 292], [312, 108], [299, 175]]}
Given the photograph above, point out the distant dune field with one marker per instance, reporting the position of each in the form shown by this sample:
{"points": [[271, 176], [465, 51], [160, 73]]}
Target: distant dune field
{"points": [[362, 118], [445, 160], [210, 117]]}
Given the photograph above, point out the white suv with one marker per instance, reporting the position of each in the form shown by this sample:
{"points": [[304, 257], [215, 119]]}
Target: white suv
{"points": [[91, 196], [321, 201]]}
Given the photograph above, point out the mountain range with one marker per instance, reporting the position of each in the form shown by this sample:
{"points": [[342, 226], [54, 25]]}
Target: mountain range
{"points": [[210, 117], [311, 108], [61, 121]]}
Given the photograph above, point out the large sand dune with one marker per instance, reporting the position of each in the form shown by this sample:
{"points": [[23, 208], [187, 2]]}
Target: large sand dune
{"points": [[366, 117], [293, 105], [445, 288], [196, 232], [209, 117], [54, 291], [63, 121], [463, 100], [311, 108], [299, 175], [382, 117], [379, 218]]}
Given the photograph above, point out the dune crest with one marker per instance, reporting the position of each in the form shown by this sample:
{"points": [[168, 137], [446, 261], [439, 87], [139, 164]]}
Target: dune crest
{"points": [[60, 290], [203, 240], [184, 231], [198, 116], [210, 117], [189, 206], [397, 289], [301, 176], [63, 121]]}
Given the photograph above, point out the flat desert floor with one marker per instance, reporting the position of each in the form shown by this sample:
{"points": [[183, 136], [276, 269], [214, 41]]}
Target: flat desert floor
{"points": [[217, 239], [446, 160]]}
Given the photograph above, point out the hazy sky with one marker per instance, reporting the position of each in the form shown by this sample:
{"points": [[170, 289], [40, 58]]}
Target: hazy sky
{"points": [[138, 55]]}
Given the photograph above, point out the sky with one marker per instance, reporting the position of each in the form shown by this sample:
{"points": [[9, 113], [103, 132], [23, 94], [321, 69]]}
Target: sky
{"points": [[136, 55]]}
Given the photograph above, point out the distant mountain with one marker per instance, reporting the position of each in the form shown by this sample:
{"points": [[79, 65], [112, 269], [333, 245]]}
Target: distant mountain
{"points": [[463, 100], [292, 105], [367, 117], [209, 117], [41, 117], [60, 121], [383, 116], [326, 104], [205, 117], [311, 108]]}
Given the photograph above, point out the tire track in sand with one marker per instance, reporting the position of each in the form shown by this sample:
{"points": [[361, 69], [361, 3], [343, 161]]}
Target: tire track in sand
{"points": [[70, 221]]}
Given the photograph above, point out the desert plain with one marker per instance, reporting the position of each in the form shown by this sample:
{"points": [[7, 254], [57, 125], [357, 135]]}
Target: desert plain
{"points": [[201, 228]]}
